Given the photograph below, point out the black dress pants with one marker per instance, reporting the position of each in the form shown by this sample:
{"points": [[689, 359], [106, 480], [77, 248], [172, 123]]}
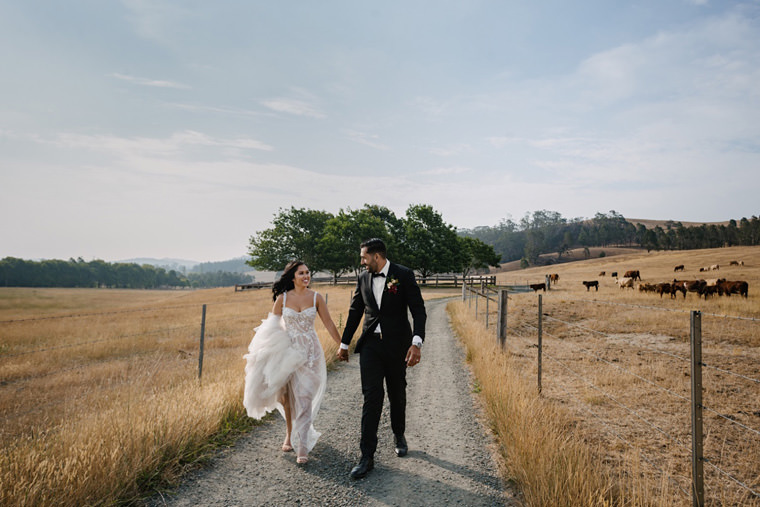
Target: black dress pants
{"points": [[380, 361]]}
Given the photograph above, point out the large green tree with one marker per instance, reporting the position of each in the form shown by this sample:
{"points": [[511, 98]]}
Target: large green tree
{"points": [[432, 244], [475, 254], [296, 234]]}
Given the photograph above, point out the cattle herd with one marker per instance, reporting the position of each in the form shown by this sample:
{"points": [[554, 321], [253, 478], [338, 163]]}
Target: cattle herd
{"points": [[702, 287]]}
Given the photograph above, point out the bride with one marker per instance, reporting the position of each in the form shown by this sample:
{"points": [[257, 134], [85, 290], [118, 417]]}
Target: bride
{"points": [[285, 365]]}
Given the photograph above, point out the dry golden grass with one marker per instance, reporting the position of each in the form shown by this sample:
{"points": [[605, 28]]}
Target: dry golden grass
{"points": [[617, 364], [102, 402]]}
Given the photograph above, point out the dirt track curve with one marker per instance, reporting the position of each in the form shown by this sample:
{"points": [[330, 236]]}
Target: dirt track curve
{"points": [[449, 461]]}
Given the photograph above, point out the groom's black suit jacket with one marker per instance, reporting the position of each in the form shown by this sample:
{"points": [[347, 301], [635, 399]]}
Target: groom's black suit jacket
{"points": [[392, 314]]}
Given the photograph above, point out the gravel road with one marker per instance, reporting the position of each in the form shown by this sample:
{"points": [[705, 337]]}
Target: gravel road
{"points": [[449, 460]]}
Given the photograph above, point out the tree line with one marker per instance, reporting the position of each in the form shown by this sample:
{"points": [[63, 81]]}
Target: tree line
{"points": [[420, 240], [16, 272], [545, 232]]}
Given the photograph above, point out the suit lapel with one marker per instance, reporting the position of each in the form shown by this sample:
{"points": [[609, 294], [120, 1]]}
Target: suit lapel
{"points": [[369, 294]]}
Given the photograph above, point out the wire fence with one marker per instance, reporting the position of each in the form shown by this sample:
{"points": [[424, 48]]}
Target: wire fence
{"points": [[636, 381]]}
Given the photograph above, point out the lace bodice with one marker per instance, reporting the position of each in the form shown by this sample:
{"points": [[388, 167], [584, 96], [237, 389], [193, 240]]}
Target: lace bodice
{"points": [[300, 327]]}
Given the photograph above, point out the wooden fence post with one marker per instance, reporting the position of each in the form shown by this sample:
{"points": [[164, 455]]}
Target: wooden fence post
{"points": [[697, 456], [540, 340], [203, 333], [502, 319], [488, 300], [464, 291]]}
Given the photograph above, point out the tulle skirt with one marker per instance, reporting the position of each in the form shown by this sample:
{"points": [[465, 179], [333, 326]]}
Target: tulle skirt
{"points": [[276, 362]]}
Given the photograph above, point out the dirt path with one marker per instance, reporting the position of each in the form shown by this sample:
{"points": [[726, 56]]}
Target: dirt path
{"points": [[448, 462]]}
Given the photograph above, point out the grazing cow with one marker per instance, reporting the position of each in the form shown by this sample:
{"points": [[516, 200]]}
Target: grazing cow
{"points": [[613, 274], [592, 283], [678, 268], [709, 290], [554, 278], [733, 263], [664, 288], [703, 269], [624, 282], [712, 282], [714, 267], [697, 286], [737, 287], [633, 273], [678, 286], [602, 273], [646, 287], [538, 286]]}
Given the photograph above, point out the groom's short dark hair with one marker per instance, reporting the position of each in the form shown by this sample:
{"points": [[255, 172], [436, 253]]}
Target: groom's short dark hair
{"points": [[375, 245]]}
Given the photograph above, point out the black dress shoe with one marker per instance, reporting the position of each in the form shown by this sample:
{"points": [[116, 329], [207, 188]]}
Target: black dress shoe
{"points": [[363, 468], [401, 447]]}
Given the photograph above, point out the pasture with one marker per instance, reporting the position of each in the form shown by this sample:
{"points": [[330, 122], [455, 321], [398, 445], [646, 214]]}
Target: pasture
{"points": [[616, 362], [100, 400], [99, 391]]}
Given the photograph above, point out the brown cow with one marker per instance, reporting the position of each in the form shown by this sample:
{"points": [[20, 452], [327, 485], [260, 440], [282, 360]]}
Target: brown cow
{"points": [[664, 288], [538, 286], [697, 286], [733, 263], [592, 283], [602, 273], [737, 287], [709, 290], [646, 287], [678, 286], [678, 268], [613, 274], [554, 278], [632, 273]]}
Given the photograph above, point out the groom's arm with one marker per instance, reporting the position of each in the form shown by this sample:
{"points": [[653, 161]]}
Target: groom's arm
{"points": [[355, 312], [416, 306]]}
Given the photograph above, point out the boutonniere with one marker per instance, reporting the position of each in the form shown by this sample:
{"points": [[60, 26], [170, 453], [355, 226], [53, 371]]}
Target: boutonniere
{"points": [[392, 285]]}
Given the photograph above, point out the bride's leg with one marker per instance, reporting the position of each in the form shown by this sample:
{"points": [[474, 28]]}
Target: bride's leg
{"points": [[285, 401], [303, 425]]}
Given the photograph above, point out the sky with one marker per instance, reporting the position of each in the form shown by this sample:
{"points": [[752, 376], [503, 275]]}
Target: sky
{"points": [[178, 129]]}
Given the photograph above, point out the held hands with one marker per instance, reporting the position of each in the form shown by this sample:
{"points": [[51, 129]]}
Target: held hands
{"points": [[413, 356], [342, 355]]}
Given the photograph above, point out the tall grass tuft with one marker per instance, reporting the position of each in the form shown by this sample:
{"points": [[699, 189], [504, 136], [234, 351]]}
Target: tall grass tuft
{"points": [[545, 452]]}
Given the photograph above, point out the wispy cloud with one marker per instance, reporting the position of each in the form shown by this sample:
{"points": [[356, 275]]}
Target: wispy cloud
{"points": [[444, 171], [366, 139], [448, 151], [173, 145], [142, 81], [215, 109], [293, 106]]}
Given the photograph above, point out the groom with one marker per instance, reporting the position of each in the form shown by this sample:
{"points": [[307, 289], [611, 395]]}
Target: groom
{"points": [[387, 345]]}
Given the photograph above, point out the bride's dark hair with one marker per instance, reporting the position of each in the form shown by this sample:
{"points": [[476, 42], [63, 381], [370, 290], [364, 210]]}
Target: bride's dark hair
{"points": [[286, 283]]}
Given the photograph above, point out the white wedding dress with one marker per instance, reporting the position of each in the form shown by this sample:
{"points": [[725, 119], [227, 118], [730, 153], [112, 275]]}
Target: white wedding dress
{"points": [[285, 351]]}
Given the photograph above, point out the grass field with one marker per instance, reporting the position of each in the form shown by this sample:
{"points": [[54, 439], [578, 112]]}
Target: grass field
{"points": [[616, 376], [99, 392]]}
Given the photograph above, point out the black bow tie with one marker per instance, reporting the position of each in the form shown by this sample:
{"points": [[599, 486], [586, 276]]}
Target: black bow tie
{"points": [[378, 274]]}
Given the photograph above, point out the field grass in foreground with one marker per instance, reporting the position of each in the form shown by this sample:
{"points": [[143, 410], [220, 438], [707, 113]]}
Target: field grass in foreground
{"points": [[544, 453], [99, 394]]}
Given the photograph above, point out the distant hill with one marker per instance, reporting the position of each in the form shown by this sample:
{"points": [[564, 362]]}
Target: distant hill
{"points": [[236, 265], [166, 263], [651, 224]]}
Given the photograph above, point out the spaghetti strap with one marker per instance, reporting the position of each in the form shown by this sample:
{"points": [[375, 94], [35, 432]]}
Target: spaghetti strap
{"points": [[315, 299], [284, 298]]}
